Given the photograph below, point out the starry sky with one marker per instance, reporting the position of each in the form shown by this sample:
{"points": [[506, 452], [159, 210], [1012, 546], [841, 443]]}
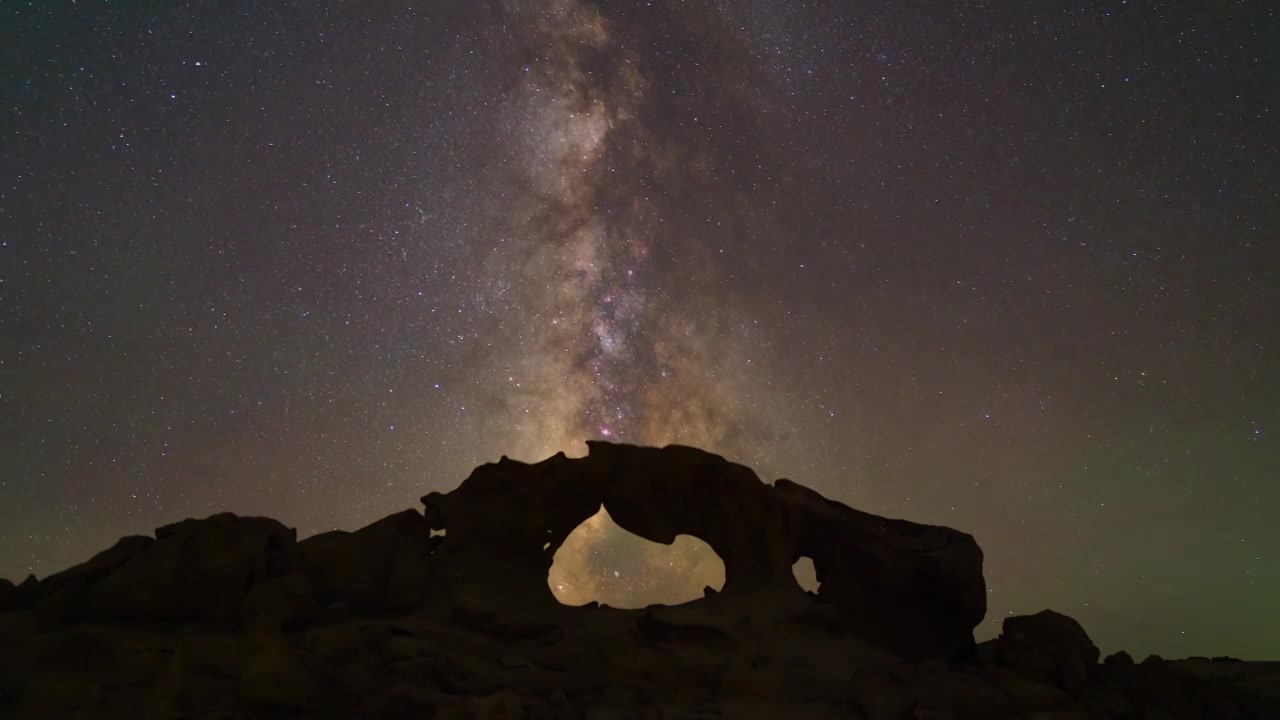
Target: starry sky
{"points": [[1008, 268]]}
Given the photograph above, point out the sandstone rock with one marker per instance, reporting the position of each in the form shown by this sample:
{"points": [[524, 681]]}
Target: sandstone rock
{"points": [[1049, 647], [378, 568], [881, 695], [484, 638], [97, 567], [1119, 659], [61, 593], [279, 602], [652, 626], [274, 677], [196, 570], [915, 589], [27, 593], [503, 705]]}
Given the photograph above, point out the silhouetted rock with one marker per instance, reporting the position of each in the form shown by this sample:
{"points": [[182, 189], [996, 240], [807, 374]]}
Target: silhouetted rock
{"points": [[274, 677], [229, 617], [1048, 646], [27, 592], [1119, 659], [279, 602], [8, 596], [915, 589], [1262, 679], [918, 590], [377, 568], [195, 570], [61, 593]]}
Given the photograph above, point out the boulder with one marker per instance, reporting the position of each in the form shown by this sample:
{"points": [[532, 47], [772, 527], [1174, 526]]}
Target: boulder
{"points": [[381, 567], [1049, 647], [196, 570]]}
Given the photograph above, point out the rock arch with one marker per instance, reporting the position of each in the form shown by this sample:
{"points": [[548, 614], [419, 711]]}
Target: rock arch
{"points": [[915, 589], [806, 575]]}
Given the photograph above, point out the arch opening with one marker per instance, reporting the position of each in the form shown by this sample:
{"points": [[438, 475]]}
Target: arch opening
{"points": [[600, 561], [806, 574]]}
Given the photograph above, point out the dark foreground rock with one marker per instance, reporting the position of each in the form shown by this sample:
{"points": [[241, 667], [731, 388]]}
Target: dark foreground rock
{"points": [[232, 617]]}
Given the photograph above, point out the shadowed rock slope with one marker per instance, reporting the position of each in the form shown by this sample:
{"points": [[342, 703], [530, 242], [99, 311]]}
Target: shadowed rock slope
{"points": [[233, 617]]}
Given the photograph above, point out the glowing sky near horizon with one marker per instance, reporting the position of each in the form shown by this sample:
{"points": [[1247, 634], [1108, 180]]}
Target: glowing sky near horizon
{"points": [[1008, 269]]}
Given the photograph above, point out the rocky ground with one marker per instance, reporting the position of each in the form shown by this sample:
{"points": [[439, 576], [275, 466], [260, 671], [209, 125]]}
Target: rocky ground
{"points": [[231, 617]]}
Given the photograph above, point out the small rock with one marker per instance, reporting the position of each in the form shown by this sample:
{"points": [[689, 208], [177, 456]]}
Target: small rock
{"points": [[1119, 659]]}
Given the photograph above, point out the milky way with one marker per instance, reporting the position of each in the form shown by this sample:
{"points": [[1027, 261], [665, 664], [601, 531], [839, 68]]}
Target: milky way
{"points": [[621, 333]]}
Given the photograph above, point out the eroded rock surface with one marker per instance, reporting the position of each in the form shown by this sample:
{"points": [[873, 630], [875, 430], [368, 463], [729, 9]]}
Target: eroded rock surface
{"points": [[917, 590], [233, 618], [377, 568]]}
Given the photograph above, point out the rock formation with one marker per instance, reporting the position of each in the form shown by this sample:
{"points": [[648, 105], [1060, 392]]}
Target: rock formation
{"points": [[917, 590], [233, 617]]}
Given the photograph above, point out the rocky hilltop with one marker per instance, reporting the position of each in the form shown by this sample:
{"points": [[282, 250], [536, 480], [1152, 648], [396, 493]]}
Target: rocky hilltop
{"points": [[233, 617]]}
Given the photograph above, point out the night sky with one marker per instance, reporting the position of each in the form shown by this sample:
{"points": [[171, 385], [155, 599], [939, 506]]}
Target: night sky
{"points": [[1013, 271]]}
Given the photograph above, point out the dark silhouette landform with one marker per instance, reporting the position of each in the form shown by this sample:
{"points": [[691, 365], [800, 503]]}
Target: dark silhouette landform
{"points": [[233, 617]]}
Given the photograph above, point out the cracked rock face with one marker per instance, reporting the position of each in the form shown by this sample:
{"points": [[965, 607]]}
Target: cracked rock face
{"points": [[916, 590]]}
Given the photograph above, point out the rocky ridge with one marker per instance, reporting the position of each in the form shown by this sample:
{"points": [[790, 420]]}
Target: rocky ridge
{"points": [[234, 617]]}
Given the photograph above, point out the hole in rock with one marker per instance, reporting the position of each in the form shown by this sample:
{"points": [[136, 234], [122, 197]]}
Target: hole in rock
{"points": [[434, 533], [806, 574], [601, 562]]}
